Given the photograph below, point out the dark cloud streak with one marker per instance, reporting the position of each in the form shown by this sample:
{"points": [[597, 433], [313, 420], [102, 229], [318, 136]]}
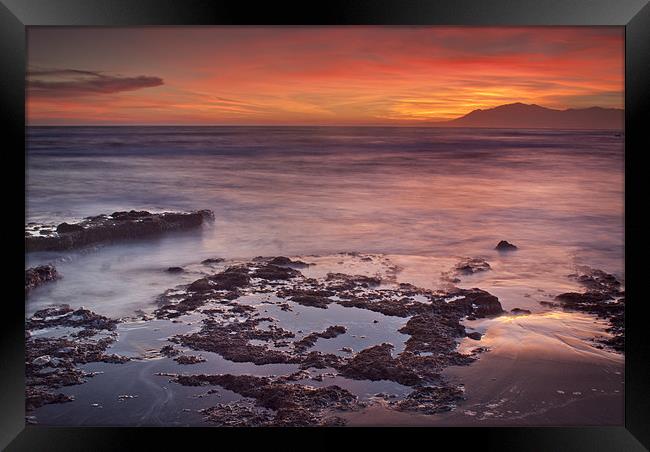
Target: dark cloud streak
{"points": [[74, 83]]}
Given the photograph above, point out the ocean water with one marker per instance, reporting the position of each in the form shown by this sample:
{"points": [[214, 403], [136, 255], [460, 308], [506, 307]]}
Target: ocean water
{"points": [[421, 198], [320, 190]]}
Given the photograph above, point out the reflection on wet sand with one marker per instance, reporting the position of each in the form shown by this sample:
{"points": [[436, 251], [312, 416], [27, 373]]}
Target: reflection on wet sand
{"points": [[541, 369]]}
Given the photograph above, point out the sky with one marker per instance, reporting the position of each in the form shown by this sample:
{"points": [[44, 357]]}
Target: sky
{"points": [[314, 75]]}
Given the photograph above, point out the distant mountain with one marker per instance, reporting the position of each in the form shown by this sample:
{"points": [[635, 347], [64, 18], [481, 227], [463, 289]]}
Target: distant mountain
{"points": [[531, 116]]}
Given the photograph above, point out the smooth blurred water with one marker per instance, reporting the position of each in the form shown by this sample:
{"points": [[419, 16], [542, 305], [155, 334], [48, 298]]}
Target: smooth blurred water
{"points": [[412, 192], [422, 198]]}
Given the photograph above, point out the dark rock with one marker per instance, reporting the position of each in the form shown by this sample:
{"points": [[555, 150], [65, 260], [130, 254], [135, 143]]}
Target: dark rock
{"points": [[550, 304], [603, 298], [294, 405], [51, 362], [238, 414], [189, 359], [474, 335], [169, 351], [36, 276], [351, 281], [471, 266], [65, 316], [231, 341], [231, 278], [505, 246], [36, 397], [377, 363], [431, 400], [64, 228], [476, 302], [281, 260], [212, 260], [175, 269], [272, 272], [117, 227], [520, 311], [309, 340], [311, 300], [319, 360], [200, 285]]}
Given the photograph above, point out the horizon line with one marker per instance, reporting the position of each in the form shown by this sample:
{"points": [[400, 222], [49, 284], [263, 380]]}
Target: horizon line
{"points": [[444, 123], [324, 125]]}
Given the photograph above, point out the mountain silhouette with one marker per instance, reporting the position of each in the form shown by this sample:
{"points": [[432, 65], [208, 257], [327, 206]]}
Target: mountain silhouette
{"points": [[531, 116]]}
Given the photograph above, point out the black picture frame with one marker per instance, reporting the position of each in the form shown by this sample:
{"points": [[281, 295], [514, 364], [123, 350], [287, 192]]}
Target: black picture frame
{"points": [[16, 15]]}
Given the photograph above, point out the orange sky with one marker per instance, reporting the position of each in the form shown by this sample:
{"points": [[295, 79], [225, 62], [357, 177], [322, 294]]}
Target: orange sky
{"points": [[306, 75]]}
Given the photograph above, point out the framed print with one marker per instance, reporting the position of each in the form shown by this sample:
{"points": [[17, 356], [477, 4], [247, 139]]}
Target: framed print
{"points": [[363, 214]]}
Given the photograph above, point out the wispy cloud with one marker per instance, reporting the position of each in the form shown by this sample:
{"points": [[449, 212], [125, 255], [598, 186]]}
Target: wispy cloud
{"points": [[74, 83], [324, 75]]}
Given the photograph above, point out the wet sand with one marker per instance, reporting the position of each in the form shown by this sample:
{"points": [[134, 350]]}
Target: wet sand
{"points": [[529, 379]]}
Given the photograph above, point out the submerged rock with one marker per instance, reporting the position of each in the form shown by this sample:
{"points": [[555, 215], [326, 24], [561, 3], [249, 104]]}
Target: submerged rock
{"points": [[115, 227], [212, 260], [471, 266]]}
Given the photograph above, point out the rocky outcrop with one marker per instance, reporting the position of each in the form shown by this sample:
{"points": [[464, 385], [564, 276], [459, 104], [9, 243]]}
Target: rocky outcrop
{"points": [[505, 246], [604, 298], [117, 226], [36, 276]]}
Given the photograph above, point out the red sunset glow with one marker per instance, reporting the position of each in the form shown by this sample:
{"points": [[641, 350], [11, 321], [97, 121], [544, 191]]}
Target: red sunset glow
{"points": [[322, 75]]}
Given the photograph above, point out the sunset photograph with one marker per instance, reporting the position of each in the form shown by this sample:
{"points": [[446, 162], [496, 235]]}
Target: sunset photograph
{"points": [[325, 226]]}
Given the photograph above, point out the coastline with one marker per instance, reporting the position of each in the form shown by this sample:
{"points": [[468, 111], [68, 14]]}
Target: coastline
{"points": [[263, 296]]}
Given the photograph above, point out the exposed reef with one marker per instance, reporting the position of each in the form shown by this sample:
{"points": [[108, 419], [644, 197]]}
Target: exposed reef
{"points": [[52, 362], [238, 333], [244, 311]]}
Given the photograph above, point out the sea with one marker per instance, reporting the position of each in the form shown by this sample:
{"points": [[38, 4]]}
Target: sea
{"points": [[423, 198]]}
